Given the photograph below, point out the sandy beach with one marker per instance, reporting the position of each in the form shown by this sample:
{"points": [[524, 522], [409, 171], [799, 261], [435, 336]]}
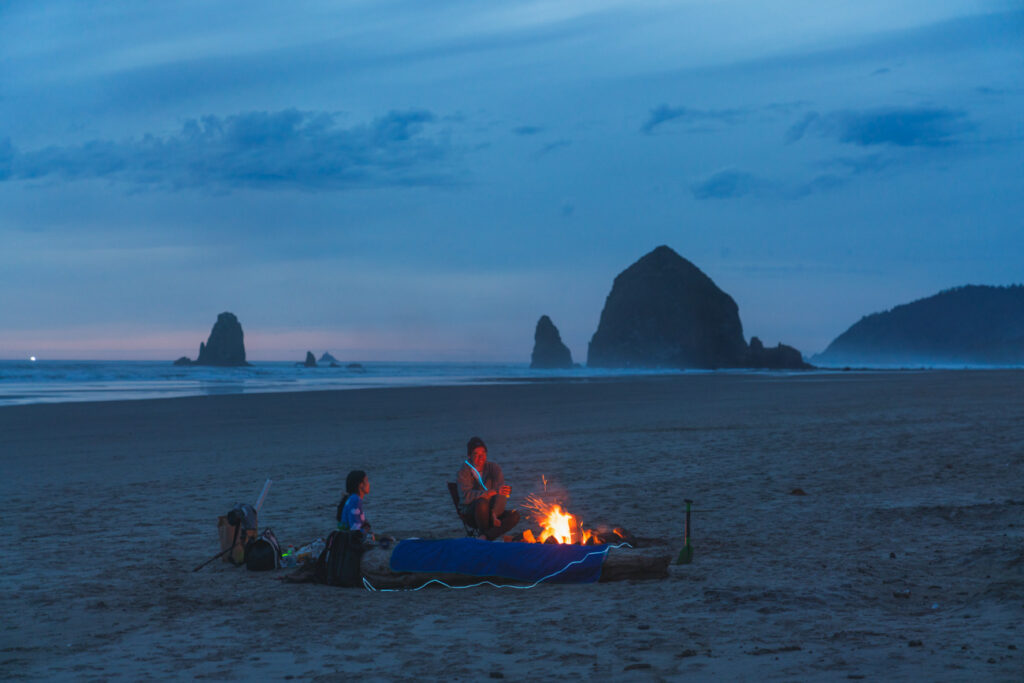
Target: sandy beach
{"points": [[903, 561]]}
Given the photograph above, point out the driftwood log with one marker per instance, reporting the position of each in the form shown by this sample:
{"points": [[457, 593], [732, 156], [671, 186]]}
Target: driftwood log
{"points": [[619, 565]]}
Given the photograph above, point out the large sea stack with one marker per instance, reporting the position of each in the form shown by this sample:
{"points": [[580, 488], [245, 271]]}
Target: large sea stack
{"points": [[548, 349], [978, 325], [664, 312], [225, 347]]}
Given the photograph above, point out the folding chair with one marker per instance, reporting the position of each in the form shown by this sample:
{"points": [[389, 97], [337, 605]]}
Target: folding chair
{"points": [[453, 489]]}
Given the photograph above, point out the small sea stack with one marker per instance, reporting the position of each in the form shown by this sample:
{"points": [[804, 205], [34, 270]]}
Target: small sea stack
{"points": [[548, 350], [225, 346]]}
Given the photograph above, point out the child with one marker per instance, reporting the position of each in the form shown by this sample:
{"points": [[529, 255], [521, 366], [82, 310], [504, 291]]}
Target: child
{"points": [[350, 509]]}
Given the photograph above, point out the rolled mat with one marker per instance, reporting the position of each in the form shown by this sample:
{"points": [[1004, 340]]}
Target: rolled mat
{"points": [[526, 562]]}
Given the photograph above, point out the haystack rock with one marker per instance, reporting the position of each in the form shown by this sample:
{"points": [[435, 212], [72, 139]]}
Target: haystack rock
{"points": [[225, 347], [310, 361], [663, 311], [548, 349]]}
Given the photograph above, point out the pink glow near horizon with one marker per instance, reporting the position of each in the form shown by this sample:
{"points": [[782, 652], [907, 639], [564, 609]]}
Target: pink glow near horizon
{"points": [[285, 345]]}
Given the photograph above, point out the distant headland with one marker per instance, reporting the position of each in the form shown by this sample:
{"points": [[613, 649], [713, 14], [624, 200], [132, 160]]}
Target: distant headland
{"points": [[974, 324]]}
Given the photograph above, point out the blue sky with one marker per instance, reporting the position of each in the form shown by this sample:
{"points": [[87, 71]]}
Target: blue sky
{"points": [[411, 180]]}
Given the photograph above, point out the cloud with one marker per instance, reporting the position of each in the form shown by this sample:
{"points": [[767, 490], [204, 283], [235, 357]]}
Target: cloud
{"points": [[663, 113], [894, 126], [6, 158], [263, 150], [832, 175], [551, 147], [527, 130], [728, 184]]}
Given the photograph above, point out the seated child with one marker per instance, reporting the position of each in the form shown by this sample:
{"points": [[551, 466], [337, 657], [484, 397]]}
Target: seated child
{"points": [[350, 510]]}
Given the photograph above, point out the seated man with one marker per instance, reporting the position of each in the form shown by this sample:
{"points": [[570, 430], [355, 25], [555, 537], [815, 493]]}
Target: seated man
{"points": [[483, 493]]}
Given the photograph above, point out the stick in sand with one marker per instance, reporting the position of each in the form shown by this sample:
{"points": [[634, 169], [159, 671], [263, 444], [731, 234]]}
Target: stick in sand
{"points": [[686, 554], [263, 494]]}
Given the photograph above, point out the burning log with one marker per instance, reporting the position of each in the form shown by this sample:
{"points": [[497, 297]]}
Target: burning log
{"points": [[617, 566], [613, 536]]}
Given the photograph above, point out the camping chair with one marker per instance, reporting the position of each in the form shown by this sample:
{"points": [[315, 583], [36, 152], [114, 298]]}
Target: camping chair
{"points": [[453, 489]]}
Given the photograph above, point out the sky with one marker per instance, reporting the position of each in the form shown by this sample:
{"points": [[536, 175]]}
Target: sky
{"points": [[408, 180]]}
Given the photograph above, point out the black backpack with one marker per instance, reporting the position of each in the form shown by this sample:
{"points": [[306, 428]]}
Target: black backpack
{"points": [[339, 563], [263, 552]]}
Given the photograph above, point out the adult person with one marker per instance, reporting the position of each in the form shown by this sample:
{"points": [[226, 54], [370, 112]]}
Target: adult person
{"points": [[350, 509], [483, 493]]}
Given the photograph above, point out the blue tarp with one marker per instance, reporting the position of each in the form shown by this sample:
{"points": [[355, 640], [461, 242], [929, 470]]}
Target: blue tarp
{"points": [[525, 562]]}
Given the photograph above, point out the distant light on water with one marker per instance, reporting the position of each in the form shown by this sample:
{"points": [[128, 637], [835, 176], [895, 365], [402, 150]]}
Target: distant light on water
{"points": [[32, 358]]}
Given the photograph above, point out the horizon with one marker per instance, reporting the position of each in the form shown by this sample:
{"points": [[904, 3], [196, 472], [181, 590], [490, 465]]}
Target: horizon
{"points": [[342, 180]]}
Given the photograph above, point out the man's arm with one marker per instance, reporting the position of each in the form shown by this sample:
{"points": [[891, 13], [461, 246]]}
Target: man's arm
{"points": [[494, 477]]}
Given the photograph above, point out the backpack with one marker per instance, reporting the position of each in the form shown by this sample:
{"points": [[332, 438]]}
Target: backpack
{"points": [[263, 553], [339, 563]]}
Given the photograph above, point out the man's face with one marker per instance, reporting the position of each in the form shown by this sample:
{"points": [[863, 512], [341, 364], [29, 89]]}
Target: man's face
{"points": [[478, 458]]}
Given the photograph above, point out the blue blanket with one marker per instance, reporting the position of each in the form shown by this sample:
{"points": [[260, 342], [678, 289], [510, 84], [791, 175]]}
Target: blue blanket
{"points": [[526, 562]]}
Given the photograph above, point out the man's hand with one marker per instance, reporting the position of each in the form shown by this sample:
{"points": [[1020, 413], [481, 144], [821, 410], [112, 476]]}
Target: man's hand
{"points": [[505, 491], [489, 494]]}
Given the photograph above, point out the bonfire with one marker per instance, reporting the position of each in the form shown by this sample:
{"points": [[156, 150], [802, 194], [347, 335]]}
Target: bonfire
{"points": [[560, 526]]}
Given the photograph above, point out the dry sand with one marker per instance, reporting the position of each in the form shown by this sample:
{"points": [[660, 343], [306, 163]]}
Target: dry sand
{"points": [[913, 483]]}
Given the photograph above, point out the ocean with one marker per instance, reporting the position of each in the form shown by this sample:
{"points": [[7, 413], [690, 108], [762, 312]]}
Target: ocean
{"points": [[61, 381]]}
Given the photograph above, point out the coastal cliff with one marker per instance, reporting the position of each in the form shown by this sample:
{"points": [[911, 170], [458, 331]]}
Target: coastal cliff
{"points": [[974, 324]]}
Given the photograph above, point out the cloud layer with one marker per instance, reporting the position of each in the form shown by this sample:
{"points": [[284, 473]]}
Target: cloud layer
{"points": [[284, 149]]}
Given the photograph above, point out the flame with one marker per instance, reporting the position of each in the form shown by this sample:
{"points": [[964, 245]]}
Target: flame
{"points": [[555, 522]]}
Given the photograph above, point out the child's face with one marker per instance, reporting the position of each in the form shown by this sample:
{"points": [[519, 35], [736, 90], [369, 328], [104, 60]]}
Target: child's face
{"points": [[364, 487]]}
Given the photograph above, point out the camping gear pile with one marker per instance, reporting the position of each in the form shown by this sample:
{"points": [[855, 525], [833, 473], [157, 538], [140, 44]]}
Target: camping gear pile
{"points": [[240, 540], [335, 562]]}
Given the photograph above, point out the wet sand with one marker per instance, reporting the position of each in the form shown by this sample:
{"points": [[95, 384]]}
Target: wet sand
{"points": [[903, 561]]}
